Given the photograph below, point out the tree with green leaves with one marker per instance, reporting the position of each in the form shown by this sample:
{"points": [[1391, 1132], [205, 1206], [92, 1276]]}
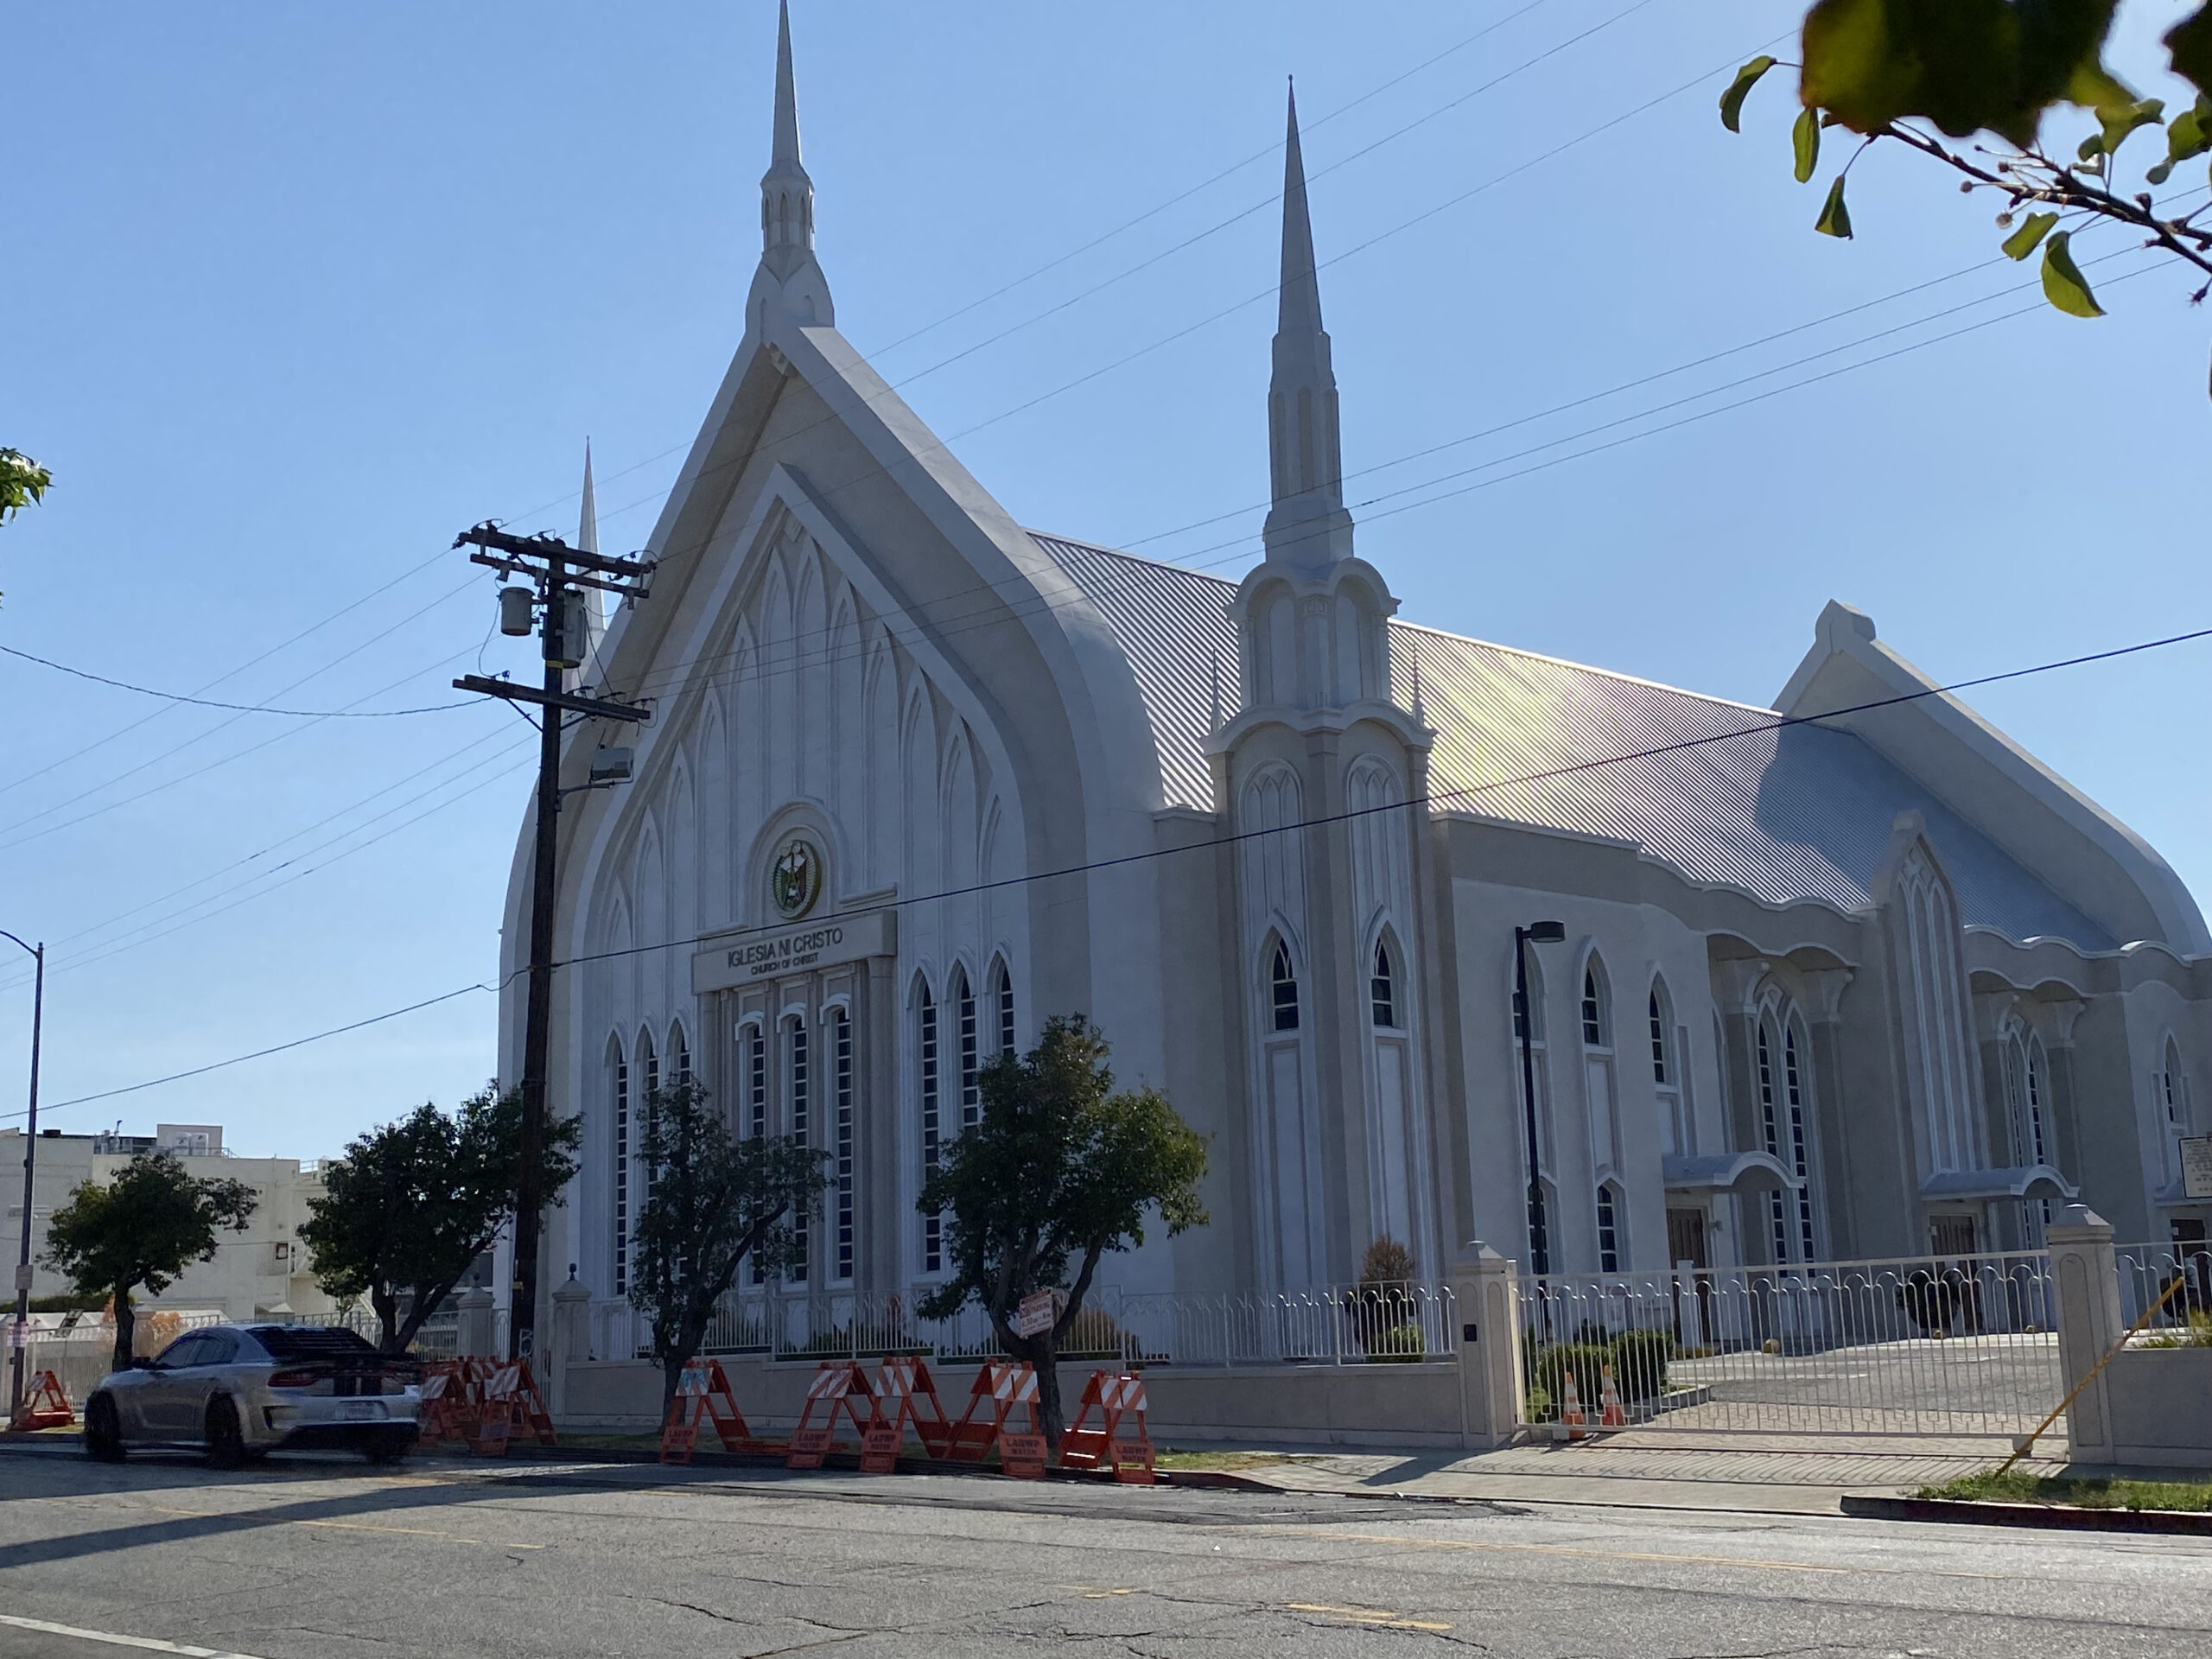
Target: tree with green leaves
{"points": [[713, 1202], [142, 1228], [1928, 74], [407, 1208], [23, 482], [1058, 1171]]}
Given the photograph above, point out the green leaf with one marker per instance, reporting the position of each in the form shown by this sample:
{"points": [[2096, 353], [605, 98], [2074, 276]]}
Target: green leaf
{"points": [[2022, 242], [2063, 285], [2190, 42], [2190, 133], [1731, 101], [1835, 218], [1805, 137], [2121, 119]]}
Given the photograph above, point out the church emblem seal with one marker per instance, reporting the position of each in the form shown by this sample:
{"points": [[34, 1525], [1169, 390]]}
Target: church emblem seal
{"points": [[795, 879]]}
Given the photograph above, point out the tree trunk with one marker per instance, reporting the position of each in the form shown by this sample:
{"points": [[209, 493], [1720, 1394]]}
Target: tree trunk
{"points": [[1048, 1389], [389, 1338], [126, 1326]]}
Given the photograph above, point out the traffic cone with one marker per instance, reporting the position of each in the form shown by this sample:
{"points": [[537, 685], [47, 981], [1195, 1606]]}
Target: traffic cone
{"points": [[1610, 1414], [1571, 1412]]}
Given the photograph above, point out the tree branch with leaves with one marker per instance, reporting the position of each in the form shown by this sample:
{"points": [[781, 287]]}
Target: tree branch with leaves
{"points": [[408, 1208], [1944, 78], [142, 1230], [1059, 1171], [712, 1202]]}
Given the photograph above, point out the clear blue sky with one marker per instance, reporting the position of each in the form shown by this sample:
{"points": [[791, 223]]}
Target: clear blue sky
{"points": [[293, 294]]}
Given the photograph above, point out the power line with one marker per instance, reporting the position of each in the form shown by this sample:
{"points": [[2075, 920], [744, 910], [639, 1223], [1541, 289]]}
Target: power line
{"points": [[1234, 838], [241, 708]]}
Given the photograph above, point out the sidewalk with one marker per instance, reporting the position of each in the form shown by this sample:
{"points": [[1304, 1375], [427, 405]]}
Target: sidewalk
{"points": [[1652, 1468]]}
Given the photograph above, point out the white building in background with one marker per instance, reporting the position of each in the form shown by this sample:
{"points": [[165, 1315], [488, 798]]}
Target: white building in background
{"points": [[262, 1271], [1877, 983]]}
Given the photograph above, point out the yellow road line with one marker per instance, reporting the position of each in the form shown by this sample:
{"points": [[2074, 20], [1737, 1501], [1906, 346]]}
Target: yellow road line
{"points": [[1558, 1549], [347, 1525]]}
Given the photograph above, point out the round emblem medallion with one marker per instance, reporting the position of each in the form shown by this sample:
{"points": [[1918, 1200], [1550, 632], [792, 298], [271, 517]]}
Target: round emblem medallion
{"points": [[795, 879]]}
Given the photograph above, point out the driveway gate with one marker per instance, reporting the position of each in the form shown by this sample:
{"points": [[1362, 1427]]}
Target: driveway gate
{"points": [[1953, 1345]]}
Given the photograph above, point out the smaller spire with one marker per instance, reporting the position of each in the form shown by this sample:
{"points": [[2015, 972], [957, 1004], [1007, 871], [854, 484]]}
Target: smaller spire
{"points": [[788, 271], [594, 599]]}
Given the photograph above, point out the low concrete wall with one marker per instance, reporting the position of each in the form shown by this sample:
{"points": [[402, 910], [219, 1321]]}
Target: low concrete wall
{"points": [[1317, 1404], [2161, 1407]]}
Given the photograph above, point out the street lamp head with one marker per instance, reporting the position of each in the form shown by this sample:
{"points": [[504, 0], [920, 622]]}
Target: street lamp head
{"points": [[1546, 932]]}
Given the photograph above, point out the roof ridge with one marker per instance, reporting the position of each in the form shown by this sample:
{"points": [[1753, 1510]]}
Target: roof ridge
{"points": [[1423, 627]]}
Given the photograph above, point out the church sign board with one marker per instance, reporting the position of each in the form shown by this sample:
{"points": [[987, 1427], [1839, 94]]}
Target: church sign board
{"points": [[2196, 1166], [746, 956]]}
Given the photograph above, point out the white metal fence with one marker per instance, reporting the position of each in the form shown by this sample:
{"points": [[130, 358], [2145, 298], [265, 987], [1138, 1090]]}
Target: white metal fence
{"points": [[1924, 1346], [1345, 1325], [2181, 1274]]}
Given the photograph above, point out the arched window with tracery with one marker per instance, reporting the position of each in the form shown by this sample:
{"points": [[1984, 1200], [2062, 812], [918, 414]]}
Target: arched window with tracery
{"points": [[1002, 1003], [1666, 1071], [1282, 989], [617, 1065], [1382, 987], [931, 1097], [963, 996]]}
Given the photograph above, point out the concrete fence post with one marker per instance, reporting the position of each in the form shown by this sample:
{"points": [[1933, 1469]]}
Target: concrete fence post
{"points": [[570, 1340], [477, 1336], [2086, 1275], [1490, 1384]]}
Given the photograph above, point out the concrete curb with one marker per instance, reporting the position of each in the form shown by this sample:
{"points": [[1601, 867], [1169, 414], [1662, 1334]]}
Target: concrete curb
{"points": [[2171, 1522], [519, 1455]]}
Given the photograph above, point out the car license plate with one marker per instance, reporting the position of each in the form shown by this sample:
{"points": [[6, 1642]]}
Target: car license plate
{"points": [[356, 1409]]}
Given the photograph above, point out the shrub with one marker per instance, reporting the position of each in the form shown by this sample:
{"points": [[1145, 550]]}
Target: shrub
{"points": [[2196, 1334], [1640, 1363], [1400, 1342], [1554, 1362]]}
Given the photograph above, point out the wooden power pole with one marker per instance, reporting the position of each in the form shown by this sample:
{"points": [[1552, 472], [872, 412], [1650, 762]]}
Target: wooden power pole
{"points": [[558, 573]]}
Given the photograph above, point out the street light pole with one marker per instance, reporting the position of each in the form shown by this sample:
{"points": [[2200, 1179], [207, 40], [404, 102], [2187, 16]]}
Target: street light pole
{"points": [[1540, 1253], [19, 1333]]}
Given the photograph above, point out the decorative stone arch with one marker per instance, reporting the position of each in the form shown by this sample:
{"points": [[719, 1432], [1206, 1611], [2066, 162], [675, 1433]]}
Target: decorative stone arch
{"points": [[1279, 950]]}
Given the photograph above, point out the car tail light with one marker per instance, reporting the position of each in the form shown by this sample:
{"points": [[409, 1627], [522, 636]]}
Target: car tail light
{"points": [[294, 1379]]}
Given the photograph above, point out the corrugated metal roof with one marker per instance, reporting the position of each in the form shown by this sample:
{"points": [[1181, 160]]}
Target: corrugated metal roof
{"points": [[1802, 812]]}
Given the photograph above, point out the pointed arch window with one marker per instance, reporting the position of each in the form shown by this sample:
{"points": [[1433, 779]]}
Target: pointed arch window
{"points": [[1666, 1072], [1382, 987], [798, 1092], [1660, 1074], [679, 1047], [1282, 989], [1521, 1022], [754, 1041], [649, 1063], [1771, 1135], [1800, 1151], [971, 1094], [619, 1113], [931, 1105], [1597, 1017], [840, 1108], [1003, 1001], [1609, 1228]]}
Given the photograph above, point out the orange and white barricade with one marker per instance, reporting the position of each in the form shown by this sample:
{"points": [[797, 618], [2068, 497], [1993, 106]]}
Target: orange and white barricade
{"points": [[510, 1404], [1121, 1440], [1000, 1385], [702, 1393], [905, 1398], [1571, 1416], [45, 1405], [837, 1390], [1610, 1414], [451, 1402]]}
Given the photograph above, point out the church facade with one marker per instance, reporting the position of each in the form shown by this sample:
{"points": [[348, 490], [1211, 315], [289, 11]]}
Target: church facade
{"points": [[1851, 976]]}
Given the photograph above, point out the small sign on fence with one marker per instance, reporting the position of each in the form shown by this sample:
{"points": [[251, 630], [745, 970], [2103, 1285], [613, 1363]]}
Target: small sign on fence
{"points": [[2196, 1166]]}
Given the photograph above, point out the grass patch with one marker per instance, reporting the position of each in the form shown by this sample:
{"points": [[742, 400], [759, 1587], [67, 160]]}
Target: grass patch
{"points": [[2017, 1486], [1222, 1463]]}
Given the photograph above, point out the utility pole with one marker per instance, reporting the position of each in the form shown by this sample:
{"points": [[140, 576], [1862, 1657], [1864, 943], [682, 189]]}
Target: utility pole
{"points": [[19, 1334], [557, 573]]}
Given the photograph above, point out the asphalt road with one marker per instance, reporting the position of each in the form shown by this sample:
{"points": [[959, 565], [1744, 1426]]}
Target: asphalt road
{"points": [[327, 1558]]}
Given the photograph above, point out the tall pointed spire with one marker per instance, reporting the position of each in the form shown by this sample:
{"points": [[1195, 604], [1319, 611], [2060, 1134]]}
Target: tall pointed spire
{"points": [[787, 204], [1307, 526], [588, 521]]}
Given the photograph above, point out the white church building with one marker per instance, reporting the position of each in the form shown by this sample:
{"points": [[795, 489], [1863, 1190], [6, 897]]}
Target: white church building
{"points": [[1851, 976]]}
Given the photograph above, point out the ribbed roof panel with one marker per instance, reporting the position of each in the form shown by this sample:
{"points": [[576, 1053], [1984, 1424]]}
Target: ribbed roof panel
{"points": [[1799, 812]]}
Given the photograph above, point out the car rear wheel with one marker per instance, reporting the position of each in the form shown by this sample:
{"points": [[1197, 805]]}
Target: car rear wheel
{"points": [[226, 1447], [102, 1430]]}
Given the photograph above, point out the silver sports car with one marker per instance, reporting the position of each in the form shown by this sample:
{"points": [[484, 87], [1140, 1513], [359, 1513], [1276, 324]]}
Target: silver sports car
{"points": [[240, 1390]]}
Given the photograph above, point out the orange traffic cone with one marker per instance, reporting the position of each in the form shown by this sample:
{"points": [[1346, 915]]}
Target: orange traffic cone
{"points": [[1571, 1412], [1610, 1414]]}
